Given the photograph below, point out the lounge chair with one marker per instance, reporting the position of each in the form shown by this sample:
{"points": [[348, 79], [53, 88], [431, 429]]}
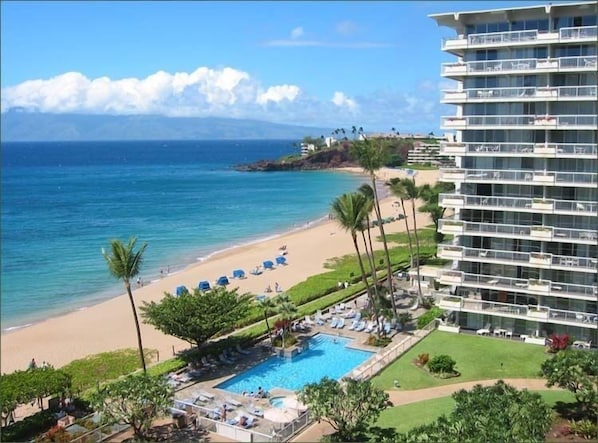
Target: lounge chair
{"points": [[206, 363], [225, 360], [334, 322], [341, 323], [386, 328], [309, 321], [360, 326], [371, 326], [353, 325], [249, 422]]}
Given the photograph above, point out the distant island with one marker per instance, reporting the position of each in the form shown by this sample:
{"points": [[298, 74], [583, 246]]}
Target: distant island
{"points": [[18, 125]]}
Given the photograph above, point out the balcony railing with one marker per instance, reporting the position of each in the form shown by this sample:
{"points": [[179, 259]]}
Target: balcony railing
{"points": [[547, 178], [576, 318], [522, 121], [494, 149], [577, 207], [560, 93], [545, 287], [510, 38], [492, 67], [528, 259], [526, 232]]}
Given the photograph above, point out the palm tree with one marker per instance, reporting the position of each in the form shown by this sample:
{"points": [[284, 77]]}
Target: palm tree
{"points": [[267, 305], [405, 189], [124, 264], [350, 211], [287, 310], [372, 157]]}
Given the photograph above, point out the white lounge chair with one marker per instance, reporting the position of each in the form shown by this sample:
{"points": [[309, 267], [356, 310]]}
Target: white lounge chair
{"points": [[361, 326], [341, 323], [353, 325], [371, 326], [334, 322], [309, 321]]}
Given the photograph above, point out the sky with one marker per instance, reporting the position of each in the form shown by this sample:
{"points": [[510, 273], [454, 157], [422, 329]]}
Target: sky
{"points": [[319, 63]]}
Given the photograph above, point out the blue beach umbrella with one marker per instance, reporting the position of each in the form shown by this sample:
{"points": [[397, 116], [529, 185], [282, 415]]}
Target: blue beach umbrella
{"points": [[180, 290], [204, 285]]}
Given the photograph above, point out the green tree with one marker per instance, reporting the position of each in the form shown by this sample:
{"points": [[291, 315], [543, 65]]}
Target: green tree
{"points": [[350, 406], [488, 414], [287, 310], [199, 316], [576, 371], [405, 189], [350, 212], [430, 196], [124, 264], [442, 364], [371, 157], [267, 305], [136, 400]]}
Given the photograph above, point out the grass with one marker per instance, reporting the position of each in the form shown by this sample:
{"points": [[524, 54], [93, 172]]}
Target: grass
{"points": [[406, 417], [478, 358]]}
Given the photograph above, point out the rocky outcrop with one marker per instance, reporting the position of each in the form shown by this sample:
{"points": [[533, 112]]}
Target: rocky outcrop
{"points": [[325, 159]]}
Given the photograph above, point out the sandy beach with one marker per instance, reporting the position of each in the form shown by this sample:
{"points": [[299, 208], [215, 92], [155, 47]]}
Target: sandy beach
{"points": [[109, 326]]}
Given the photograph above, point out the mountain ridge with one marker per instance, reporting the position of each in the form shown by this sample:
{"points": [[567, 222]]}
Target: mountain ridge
{"points": [[36, 126]]}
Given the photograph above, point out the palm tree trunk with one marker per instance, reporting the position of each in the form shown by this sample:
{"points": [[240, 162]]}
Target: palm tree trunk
{"points": [[419, 285], [410, 243], [365, 282], [268, 328], [370, 257], [137, 328], [388, 266]]}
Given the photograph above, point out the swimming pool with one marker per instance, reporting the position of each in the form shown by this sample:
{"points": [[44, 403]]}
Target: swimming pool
{"points": [[327, 355]]}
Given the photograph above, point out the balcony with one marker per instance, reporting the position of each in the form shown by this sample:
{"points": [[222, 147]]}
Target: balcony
{"points": [[589, 151], [523, 94], [519, 204], [459, 70], [524, 232], [519, 285], [544, 314], [522, 177], [458, 44], [576, 122], [451, 278], [536, 260]]}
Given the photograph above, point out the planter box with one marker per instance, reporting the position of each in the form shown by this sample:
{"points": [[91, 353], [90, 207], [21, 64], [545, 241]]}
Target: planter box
{"points": [[545, 260], [540, 92], [451, 279], [536, 340], [547, 64], [541, 233], [544, 150], [545, 206], [450, 304], [538, 287], [452, 229], [451, 253], [447, 328], [453, 202], [541, 178]]}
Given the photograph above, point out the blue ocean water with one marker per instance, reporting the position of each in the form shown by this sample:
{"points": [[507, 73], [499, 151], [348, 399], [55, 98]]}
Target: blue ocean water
{"points": [[63, 202]]}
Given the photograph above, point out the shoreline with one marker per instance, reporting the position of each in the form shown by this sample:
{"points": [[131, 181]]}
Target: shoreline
{"points": [[108, 325]]}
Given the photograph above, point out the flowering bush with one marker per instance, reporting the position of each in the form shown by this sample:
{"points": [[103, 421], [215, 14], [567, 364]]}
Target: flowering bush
{"points": [[558, 342]]}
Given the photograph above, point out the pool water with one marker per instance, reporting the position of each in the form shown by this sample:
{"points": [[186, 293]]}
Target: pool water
{"points": [[327, 356]]}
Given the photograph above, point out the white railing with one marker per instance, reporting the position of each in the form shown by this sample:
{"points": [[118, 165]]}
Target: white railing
{"points": [[577, 206], [525, 311], [521, 64], [589, 121], [523, 148], [522, 177], [520, 231], [517, 37], [520, 93], [523, 285], [532, 259]]}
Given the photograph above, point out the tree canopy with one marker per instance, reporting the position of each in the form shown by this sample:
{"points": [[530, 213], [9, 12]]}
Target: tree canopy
{"points": [[199, 316], [350, 406], [136, 400], [488, 414], [576, 371]]}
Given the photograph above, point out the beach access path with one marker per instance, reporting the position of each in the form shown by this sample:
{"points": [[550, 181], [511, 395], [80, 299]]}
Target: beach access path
{"points": [[108, 326]]}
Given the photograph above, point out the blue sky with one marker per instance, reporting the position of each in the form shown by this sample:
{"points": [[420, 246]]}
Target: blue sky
{"points": [[335, 64]]}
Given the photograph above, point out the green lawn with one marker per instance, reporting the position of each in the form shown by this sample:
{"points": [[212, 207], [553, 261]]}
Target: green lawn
{"points": [[406, 417], [478, 358]]}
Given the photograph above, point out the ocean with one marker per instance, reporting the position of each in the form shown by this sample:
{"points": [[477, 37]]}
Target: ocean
{"points": [[62, 202]]}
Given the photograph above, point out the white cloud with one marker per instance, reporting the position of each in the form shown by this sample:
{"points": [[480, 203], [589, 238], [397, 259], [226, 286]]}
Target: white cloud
{"points": [[346, 27], [297, 33], [341, 100], [277, 94], [226, 92]]}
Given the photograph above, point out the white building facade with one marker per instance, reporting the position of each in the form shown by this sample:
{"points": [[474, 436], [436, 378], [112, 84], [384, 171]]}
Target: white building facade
{"points": [[525, 225]]}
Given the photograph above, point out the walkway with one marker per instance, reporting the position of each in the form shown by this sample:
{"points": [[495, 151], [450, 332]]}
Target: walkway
{"points": [[400, 397]]}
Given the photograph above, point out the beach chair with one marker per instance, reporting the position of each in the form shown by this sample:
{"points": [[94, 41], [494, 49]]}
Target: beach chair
{"points": [[309, 321], [341, 323], [334, 322], [370, 327], [353, 325], [361, 326]]}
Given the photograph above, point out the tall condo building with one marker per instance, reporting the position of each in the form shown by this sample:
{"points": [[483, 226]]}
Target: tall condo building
{"points": [[524, 214]]}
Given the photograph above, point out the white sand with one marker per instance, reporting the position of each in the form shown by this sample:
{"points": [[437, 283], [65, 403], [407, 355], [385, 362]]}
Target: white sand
{"points": [[109, 325]]}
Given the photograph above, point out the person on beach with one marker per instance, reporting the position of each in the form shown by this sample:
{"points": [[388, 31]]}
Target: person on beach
{"points": [[277, 287], [268, 289], [32, 364], [139, 281]]}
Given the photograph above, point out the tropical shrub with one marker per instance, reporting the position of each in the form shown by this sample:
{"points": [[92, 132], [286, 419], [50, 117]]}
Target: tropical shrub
{"points": [[585, 428], [558, 342], [422, 359], [442, 364], [424, 319]]}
